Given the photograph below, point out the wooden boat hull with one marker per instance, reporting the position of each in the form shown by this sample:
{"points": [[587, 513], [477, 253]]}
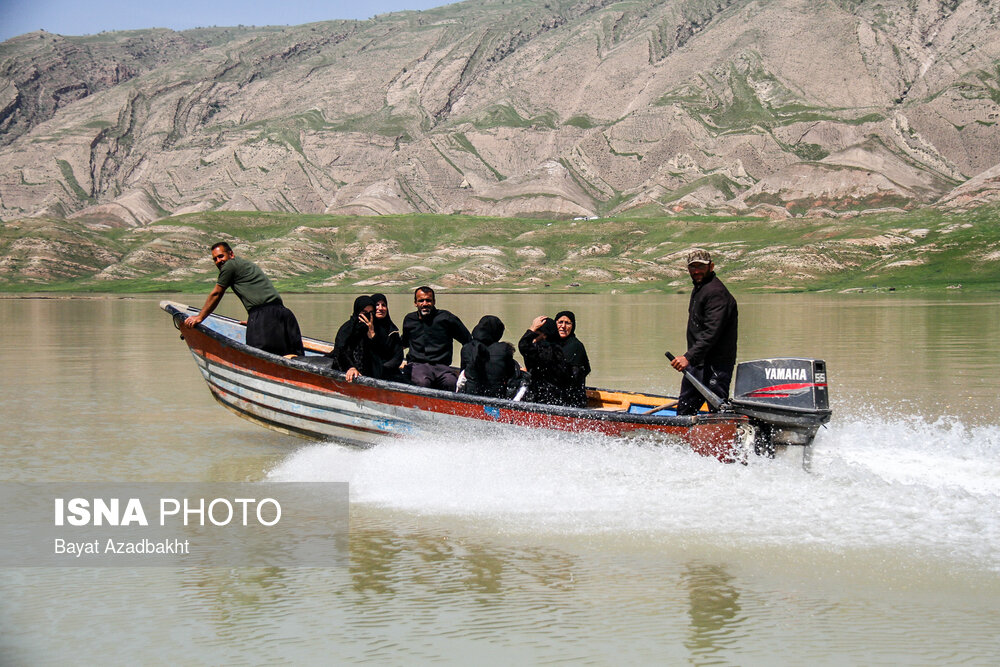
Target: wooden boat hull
{"points": [[294, 396]]}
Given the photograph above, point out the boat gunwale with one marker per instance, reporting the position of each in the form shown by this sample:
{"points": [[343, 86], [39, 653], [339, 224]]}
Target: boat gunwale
{"points": [[583, 414]]}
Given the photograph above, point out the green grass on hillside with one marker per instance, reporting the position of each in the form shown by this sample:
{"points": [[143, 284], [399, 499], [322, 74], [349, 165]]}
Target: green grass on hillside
{"points": [[921, 250]]}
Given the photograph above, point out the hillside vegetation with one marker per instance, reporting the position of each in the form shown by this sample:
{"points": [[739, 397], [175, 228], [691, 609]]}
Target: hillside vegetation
{"points": [[923, 250]]}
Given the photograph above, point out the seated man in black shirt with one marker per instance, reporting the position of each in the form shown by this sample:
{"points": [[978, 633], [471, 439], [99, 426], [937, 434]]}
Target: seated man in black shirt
{"points": [[428, 333]]}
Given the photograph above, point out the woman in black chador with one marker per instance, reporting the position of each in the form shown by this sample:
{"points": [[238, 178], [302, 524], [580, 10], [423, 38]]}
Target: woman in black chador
{"points": [[354, 348], [576, 357], [487, 362], [388, 343], [546, 363]]}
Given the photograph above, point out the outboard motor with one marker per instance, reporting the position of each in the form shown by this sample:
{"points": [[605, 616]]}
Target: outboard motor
{"points": [[785, 398]]}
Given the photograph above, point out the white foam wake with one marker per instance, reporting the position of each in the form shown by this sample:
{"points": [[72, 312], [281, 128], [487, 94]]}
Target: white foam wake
{"points": [[892, 483]]}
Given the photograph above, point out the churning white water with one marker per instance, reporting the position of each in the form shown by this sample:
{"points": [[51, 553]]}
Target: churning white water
{"points": [[931, 489]]}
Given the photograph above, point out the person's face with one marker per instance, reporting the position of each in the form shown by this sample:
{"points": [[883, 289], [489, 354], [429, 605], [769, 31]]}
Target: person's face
{"points": [[424, 302], [367, 311], [381, 310], [220, 256], [698, 271], [565, 326]]}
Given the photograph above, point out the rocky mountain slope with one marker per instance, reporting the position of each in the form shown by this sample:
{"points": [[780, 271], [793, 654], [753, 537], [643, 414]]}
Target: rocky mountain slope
{"points": [[561, 108]]}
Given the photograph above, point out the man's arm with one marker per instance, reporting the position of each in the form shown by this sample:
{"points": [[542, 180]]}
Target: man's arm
{"points": [[406, 338], [214, 297], [459, 331], [405, 331]]}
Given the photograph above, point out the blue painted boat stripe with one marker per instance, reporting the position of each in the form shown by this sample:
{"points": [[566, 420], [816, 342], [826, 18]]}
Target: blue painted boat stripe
{"points": [[288, 428], [376, 423], [221, 395], [287, 393], [233, 373]]}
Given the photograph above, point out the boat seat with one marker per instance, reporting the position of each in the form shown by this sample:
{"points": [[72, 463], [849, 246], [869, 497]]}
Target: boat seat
{"points": [[666, 410]]}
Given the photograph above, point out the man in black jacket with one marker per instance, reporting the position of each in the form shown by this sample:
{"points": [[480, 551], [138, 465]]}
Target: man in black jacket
{"points": [[428, 333], [711, 334]]}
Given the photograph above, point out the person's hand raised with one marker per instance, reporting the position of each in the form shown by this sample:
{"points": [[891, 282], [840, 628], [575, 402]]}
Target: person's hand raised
{"points": [[368, 322]]}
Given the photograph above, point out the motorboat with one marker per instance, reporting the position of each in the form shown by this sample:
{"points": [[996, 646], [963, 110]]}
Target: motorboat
{"points": [[777, 406]]}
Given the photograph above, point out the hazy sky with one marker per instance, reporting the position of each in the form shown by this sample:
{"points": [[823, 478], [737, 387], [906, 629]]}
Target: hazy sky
{"points": [[85, 17]]}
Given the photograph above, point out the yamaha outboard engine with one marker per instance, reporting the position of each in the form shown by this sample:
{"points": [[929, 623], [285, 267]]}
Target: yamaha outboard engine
{"points": [[786, 399]]}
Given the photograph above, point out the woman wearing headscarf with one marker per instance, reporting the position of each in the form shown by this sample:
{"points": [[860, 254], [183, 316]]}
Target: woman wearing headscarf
{"points": [[354, 348], [546, 363], [576, 356], [487, 362], [388, 343]]}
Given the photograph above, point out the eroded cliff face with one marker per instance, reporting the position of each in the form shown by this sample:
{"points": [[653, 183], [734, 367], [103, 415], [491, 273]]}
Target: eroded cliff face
{"points": [[783, 107]]}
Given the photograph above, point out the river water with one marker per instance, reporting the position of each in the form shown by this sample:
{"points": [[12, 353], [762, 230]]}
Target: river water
{"points": [[554, 549]]}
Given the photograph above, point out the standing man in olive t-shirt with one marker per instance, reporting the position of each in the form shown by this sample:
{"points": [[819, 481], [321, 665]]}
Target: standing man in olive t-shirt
{"points": [[270, 326]]}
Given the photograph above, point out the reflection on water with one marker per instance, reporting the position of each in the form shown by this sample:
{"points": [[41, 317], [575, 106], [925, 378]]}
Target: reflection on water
{"points": [[437, 566], [469, 547], [416, 592], [714, 609]]}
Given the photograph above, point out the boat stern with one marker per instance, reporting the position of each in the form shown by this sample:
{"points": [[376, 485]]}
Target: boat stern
{"points": [[786, 400]]}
